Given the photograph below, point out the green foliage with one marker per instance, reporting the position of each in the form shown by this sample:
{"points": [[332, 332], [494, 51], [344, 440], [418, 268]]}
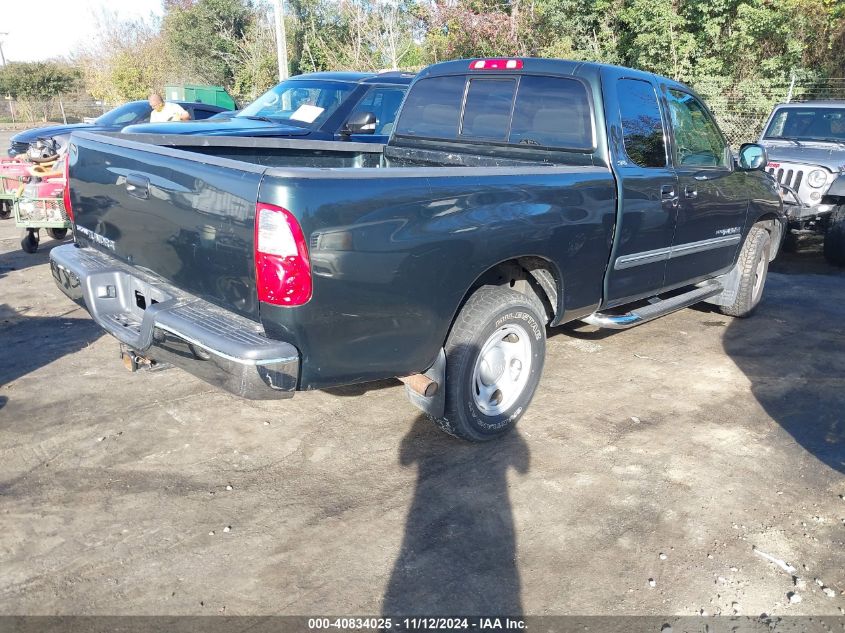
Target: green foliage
{"points": [[129, 60], [657, 38], [354, 35], [37, 80], [204, 36], [732, 51], [257, 69]]}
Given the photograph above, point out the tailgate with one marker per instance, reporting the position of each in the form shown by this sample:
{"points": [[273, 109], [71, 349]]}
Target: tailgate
{"points": [[185, 217]]}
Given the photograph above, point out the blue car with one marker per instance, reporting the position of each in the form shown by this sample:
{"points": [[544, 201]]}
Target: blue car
{"points": [[325, 106], [112, 121]]}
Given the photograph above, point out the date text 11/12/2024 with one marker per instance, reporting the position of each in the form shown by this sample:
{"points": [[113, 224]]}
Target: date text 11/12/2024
{"points": [[418, 624]]}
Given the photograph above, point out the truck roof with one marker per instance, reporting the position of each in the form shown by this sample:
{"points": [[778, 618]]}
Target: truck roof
{"points": [[538, 65], [392, 77]]}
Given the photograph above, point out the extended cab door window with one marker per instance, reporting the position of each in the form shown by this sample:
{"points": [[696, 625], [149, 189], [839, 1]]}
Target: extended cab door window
{"points": [[713, 198], [642, 126], [647, 184]]}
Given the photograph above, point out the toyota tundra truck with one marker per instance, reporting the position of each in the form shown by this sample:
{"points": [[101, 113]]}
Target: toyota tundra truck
{"points": [[514, 195], [806, 150]]}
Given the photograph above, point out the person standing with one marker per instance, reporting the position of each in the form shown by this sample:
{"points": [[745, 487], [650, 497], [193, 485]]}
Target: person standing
{"points": [[165, 111]]}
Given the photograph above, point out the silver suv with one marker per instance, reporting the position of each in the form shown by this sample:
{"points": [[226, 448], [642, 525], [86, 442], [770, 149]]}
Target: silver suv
{"points": [[806, 150]]}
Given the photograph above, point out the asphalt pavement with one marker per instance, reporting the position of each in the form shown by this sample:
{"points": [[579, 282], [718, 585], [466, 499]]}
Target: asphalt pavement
{"points": [[658, 471]]}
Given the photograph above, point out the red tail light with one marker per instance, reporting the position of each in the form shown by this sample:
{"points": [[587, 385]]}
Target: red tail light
{"points": [[496, 64], [282, 269], [66, 194]]}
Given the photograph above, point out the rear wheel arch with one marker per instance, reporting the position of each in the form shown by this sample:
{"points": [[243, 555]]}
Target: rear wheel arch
{"points": [[494, 356], [531, 275]]}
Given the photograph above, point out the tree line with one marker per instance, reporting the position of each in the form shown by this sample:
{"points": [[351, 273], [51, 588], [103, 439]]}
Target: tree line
{"points": [[724, 48]]}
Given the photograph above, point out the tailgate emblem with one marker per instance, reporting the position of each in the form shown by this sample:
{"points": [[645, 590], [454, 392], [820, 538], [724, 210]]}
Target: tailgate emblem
{"points": [[96, 237]]}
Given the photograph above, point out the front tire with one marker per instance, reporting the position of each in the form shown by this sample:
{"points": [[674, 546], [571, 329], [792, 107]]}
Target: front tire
{"points": [[57, 234], [494, 360], [5, 209], [834, 238], [753, 266], [790, 242]]}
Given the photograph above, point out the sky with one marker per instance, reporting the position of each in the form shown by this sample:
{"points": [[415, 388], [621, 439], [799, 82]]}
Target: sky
{"points": [[44, 29]]}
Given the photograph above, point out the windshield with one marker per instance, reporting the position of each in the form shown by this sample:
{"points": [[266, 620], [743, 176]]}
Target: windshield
{"points": [[134, 112], [808, 124], [305, 103]]}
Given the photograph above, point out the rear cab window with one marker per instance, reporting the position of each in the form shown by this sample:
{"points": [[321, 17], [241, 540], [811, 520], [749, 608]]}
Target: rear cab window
{"points": [[518, 110]]}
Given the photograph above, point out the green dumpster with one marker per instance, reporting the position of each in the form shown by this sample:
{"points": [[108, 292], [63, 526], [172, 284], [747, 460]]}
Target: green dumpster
{"points": [[212, 95]]}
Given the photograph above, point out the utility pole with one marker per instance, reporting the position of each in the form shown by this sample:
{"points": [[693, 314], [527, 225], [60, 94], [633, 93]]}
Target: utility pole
{"points": [[2, 57], [8, 97], [281, 40]]}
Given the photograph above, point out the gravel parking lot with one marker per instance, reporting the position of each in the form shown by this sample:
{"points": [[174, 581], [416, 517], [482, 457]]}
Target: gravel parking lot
{"points": [[650, 466]]}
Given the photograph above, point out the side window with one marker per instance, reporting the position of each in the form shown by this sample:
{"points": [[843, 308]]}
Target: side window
{"points": [[433, 108], [487, 111], [201, 113], [552, 112], [384, 103], [642, 128], [133, 115], [698, 141]]}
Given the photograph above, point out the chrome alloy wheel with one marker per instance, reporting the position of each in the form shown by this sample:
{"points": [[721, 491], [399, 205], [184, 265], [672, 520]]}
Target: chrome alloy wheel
{"points": [[501, 370]]}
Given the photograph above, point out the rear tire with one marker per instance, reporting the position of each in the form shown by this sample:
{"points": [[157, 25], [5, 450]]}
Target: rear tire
{"points": [[30, 241], [834, 238], [494, 360], [57, 234], [753, 263], [5, 209]]}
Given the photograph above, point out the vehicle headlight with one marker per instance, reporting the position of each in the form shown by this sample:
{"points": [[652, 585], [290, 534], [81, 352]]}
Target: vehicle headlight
{"points": [[817, 178]]}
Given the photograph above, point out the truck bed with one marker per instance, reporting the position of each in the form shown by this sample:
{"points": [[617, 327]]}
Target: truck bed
{"points": [[385, 231]]}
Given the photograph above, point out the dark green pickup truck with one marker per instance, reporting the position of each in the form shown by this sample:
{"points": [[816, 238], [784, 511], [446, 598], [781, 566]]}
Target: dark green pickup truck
{"points": [[513, 195]]}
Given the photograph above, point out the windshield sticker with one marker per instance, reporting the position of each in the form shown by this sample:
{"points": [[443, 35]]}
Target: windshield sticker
{"points": [[306, 113]]}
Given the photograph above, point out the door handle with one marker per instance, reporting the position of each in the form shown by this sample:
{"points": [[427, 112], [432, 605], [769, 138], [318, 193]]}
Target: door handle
{"points": [[138, 186], [667, 192], [690, 192]]}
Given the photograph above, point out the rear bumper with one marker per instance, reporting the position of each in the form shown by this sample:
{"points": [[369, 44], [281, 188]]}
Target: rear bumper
{"points": [[160, 322]]}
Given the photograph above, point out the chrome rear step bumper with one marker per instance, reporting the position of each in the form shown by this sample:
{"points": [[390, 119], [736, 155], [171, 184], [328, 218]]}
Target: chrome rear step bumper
{"points": [[162, 323]]}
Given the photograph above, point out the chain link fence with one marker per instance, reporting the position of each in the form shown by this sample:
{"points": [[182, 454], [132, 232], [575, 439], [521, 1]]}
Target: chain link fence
{"points": [[58, 110], [741, 128], [742, 116]]}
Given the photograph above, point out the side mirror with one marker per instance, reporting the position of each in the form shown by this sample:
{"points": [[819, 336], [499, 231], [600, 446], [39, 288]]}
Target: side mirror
{"points": [[752, 157], [361, 123]]}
